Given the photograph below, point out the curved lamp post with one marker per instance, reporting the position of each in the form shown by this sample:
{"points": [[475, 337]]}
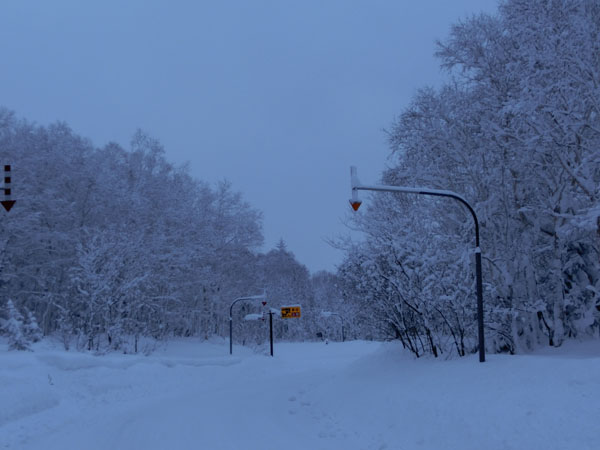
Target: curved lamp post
{"points": [[355, 202], [262, 297]]}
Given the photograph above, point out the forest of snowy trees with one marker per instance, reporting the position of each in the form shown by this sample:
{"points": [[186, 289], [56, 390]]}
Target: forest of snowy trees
{"points": [[107, 245], [517, 133], [110, 245]]}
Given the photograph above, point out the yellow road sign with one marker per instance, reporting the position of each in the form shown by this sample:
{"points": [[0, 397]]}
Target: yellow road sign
{"points": [[289, 312]]}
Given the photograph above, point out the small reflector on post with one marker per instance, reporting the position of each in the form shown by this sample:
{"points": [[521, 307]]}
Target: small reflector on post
{"points": [[355, 204]]}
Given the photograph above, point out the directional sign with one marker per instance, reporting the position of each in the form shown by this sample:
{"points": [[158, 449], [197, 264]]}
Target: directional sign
{"points": [[289, 312]]}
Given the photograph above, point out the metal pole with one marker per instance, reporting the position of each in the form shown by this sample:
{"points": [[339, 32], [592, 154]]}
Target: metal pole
{"points": [[356, 186], [479, 304], [478, 276], [271, 330], [230, 333]]}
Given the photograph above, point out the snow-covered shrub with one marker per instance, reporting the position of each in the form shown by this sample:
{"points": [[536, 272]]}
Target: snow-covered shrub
{"points": [[14, 328], [31, 328]]}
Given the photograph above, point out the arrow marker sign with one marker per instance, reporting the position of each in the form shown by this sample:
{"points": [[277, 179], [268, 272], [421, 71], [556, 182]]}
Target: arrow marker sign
{"points": [[8, 202]]}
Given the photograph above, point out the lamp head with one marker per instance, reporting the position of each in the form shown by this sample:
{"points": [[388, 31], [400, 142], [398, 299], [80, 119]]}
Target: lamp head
{"points": [[354, 184]]}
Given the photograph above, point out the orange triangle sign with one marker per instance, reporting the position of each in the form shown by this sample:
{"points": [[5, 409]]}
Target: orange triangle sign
{"points": [[355, 205]]}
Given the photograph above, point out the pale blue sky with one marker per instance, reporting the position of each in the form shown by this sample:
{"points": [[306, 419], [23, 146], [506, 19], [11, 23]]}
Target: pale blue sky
{"points": [[279, 97]]}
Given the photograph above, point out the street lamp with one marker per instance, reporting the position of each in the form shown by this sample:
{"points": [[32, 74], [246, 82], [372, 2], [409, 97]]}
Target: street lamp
{"points": [[329, 314], [355, 202], [262, 297]]}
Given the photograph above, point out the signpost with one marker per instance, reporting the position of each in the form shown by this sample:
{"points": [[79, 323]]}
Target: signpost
{"points": [[7, 202], [287, 312], [291, 312]]}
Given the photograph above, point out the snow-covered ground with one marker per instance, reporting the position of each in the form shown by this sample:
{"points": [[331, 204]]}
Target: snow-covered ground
{"points": [[355, 395]]}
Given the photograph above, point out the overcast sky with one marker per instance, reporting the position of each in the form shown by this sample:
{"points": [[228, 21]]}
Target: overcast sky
{"points": [[278, 97]]}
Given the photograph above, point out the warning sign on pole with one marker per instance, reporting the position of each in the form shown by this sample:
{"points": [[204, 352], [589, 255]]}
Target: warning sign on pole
{"points": [[7, 201], [289, 312]]}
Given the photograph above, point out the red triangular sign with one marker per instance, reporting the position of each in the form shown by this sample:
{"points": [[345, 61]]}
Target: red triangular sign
{"points": [[8, 204], [264, 303], [355, 205]]}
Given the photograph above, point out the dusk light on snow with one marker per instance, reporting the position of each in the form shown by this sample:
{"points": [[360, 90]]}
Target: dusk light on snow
{"points": [[273, 225]]}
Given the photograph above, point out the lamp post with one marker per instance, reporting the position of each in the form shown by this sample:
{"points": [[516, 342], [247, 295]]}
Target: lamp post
{"points": [[355, 202], [271, 329], [262, 297], [329, 314]]}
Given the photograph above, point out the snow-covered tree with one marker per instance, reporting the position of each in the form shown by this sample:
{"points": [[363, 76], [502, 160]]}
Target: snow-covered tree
{"points": [[517, 133], [110, 244], [14, 328], [31, 329]]}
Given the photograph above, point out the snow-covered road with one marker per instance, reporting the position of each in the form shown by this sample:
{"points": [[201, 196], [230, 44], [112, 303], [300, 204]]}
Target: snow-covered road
{"points": [[356, 395]]}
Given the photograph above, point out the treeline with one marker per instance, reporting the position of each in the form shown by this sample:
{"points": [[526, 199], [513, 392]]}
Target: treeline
{"points": [[517, 133], [109, 245]]}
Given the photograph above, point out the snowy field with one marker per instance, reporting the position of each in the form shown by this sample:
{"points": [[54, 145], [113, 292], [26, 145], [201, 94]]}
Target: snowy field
{"points": [[356, 395]]}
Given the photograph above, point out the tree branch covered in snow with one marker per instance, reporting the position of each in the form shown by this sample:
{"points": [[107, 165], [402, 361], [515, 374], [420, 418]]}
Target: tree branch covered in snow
{"points": [[516, 133]]}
